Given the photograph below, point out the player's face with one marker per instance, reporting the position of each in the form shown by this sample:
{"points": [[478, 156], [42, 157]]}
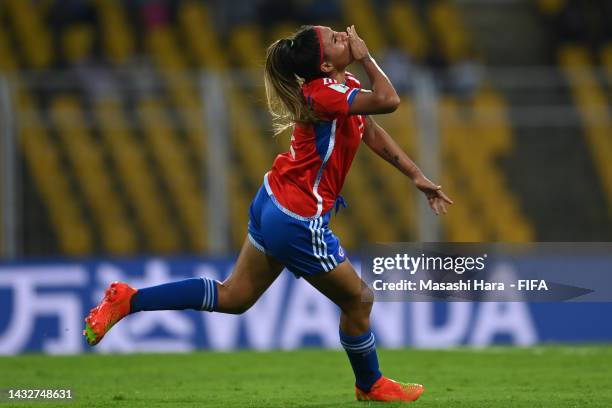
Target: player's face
{"points": [[336, 48]]}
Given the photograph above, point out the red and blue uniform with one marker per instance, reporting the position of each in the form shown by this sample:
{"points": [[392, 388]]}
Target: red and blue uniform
{"points": [[289, 216], [308, 179]]}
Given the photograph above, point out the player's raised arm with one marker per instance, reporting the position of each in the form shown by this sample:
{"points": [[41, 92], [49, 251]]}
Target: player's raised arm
{"points": [[382, 98], [380, 142]]}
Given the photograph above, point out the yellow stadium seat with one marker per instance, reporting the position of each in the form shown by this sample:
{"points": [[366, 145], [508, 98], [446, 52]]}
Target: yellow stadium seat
{"points": [[201, 38], [247, 45], [86, 158], [77, 42], [182, 87], [8, 62], [606, 62], [136, 176], [45, 165], [171, 156], [407, 29], [205, 48], [361, 13], [239, 211], [34, 38], [117, 39], [449, 30], [470, 150], [594, 111]]}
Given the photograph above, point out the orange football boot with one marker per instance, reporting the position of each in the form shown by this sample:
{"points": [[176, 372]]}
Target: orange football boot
{"points": [[387, 390], [114, 307]]}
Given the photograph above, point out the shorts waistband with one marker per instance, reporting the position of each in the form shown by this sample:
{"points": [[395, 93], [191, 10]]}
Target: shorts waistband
{"points": [[280, 206]]}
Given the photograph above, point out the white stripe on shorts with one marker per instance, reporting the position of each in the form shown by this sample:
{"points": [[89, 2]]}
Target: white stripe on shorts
{"points": [[316, 247], [324, 244]]}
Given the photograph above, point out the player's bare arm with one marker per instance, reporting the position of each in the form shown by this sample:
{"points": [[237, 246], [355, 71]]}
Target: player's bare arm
{"points": [[380, 142]]}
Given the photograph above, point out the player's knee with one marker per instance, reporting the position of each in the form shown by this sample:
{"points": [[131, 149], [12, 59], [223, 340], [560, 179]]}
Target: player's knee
{"points": [[238, 307], [241, 308], [367, 301], [360, 306], [233, 302]]}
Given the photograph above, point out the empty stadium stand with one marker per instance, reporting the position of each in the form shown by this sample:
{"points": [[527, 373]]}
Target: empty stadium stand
{"points": [[114, 139]]}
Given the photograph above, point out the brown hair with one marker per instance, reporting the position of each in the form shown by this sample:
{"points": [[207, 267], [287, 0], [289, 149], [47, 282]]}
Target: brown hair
{"points": [[289, 63]]}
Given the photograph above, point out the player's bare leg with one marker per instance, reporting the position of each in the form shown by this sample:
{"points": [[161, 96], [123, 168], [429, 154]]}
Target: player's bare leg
{"points": [[346, 289], [253, 274]]}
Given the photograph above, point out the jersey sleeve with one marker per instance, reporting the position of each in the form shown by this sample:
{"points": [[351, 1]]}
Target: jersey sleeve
{"points": [[332, 99]]}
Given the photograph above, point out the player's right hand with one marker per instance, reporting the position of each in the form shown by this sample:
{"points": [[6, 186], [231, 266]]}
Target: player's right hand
{"points": [[435, 196], [358, 46]]}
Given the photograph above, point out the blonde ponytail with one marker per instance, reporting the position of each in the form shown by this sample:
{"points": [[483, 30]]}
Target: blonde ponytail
{"points": [[283, 82]]}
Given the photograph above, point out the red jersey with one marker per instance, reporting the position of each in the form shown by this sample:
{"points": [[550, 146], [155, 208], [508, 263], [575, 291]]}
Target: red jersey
{"points": [[308, 178]]}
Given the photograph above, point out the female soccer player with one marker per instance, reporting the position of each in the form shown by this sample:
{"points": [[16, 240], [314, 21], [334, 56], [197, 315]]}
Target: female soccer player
{"points": [[308, 89]]}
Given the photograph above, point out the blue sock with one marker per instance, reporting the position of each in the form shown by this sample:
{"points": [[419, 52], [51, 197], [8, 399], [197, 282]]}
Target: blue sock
{"points": [[361, 351], [194, 293]]}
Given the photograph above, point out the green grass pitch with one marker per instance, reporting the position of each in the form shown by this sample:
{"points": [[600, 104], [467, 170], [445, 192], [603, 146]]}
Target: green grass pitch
{"points": [[493, 377]]}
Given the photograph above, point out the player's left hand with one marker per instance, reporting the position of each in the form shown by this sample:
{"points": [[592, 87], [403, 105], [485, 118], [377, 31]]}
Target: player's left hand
{"points": [[435, 196], [358, 47]]}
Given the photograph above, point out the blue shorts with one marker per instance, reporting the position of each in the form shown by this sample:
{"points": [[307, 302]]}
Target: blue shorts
{"points": [[306, 246]]}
